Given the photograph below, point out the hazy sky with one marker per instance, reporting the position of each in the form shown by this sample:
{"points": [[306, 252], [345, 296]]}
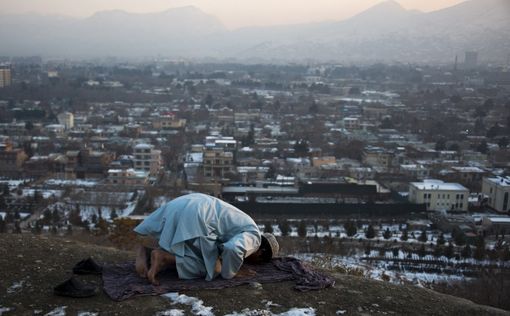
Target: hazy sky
{"points": [[233, 13]]}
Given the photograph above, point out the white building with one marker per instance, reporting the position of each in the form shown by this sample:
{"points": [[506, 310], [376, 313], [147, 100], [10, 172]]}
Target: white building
{"points": [[497, 190], [438, 195], [66, 119], [351, 123], [147, 158]]}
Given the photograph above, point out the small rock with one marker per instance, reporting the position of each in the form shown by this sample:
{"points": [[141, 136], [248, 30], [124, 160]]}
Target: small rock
{"points": [[256, 285]]}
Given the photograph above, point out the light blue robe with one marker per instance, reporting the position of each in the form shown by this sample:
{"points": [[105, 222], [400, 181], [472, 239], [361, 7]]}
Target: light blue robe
{"points": [[207, 236]]}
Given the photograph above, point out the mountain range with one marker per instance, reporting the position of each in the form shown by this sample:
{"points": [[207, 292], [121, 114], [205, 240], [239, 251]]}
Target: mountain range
{"points": [[384, 33]]}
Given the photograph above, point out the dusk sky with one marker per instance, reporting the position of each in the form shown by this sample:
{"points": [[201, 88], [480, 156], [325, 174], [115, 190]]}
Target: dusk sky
{"points": [[233, 13]]}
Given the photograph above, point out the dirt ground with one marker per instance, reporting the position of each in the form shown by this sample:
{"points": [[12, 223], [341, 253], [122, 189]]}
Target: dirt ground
{"points": [[30, 266]]}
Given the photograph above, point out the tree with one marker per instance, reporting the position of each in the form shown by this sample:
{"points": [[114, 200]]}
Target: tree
{"points": [[284, 227], [69, 230], [302, 229], [422, 251], [102, 225], [113, 214], [503, 142], [482, 147], [209, 100], [449, 251], [3, 204], [301, 148], [441, 144], [5, 189], [466, 252], [504, 254], [268, 228], [55, 216], [386, 123], [459, 237], [94, 218], [479, 126], [29, 126], [480, 251], [423, 236], [368, 249], [404, 236], [370, 232], [395, 252], [74, 217], [350, 228], [494, 131], [438, 251], [441, 241], [3, 225], [387, 233], [38, 197]]}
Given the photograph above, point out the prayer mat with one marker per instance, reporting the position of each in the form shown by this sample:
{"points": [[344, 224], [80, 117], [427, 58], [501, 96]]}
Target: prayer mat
{"points": [[120, 281]]}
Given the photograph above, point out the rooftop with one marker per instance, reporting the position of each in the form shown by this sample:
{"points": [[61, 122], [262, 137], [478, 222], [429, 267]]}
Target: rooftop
{"points": [[501, 181], [431, 184]]}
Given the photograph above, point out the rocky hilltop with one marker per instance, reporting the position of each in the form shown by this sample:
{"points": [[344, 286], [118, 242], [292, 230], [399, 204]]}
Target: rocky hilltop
{"points": [[31, 265]]}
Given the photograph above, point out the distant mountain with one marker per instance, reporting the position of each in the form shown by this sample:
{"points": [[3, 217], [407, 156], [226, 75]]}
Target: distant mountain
{"points": [[109, 33], [386, 32], [389, 33]]}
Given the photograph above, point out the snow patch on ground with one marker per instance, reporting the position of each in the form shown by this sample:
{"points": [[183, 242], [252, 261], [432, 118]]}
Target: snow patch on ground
{"points": [[292, 312], [171, 312], [4, 310], [87, 314], [78, 182], [198, 308], [197, 305], [46, 194], [59, 311], [16, 287]]}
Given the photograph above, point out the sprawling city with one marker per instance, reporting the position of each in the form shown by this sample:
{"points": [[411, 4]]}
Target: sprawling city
{"points": [[396, 174]]}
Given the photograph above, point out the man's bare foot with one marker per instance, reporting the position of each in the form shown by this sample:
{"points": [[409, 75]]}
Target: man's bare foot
{"points": [[141, 262], [160, 260]]}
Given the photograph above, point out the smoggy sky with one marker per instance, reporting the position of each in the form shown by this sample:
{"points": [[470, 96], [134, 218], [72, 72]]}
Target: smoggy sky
{"points": [[233, 13]]}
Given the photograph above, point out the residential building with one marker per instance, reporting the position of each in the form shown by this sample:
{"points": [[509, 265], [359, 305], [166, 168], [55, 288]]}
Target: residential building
{"points": [[470, 177], [325, 160], [5, 75], [147, 158], [127, 177], [497, 191], [217, 163], [168, 122], [11, 160], [351, 123], [66, 119], [439, 196], [415, 171]]}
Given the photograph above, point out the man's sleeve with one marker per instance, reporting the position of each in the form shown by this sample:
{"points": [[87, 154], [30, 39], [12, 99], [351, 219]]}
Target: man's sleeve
{"points": [[235, 250]]}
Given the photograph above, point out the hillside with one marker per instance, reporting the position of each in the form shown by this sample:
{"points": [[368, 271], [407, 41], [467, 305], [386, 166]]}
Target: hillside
{"points": [[32, 265]]}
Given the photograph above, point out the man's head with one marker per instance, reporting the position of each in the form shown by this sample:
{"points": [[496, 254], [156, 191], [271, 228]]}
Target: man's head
{"points": [[268, 249], [270, 246]]}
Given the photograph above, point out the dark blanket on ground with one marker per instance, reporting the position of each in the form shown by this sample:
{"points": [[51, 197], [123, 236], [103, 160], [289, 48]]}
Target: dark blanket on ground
{"points": [[122, 282]]}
